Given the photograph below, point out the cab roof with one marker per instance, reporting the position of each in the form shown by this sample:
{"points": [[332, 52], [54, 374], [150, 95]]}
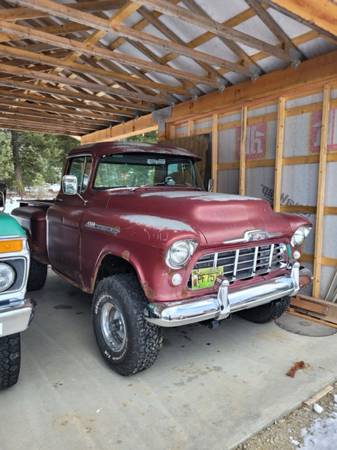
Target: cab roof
{"points": [[107, 148]]}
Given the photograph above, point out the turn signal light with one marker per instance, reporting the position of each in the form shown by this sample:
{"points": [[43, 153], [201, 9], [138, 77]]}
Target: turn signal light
{"points": [[11, 245]]}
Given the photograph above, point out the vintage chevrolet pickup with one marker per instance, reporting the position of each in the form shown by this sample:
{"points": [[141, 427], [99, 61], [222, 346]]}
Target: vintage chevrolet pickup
{"points": [[15, 309], [133, 225]]}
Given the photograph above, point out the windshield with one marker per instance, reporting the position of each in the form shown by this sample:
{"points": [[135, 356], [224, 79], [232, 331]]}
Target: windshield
{"points": [[145, 169]]}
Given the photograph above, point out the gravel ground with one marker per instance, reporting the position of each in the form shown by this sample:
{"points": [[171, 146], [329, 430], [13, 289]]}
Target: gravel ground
{"points": [[302, 429]]}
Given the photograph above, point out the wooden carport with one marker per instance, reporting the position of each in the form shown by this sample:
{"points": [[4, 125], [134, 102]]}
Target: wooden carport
{"points": [[110, 69]]}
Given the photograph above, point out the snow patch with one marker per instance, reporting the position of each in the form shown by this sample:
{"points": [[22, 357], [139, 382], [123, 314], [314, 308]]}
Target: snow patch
{"points": [[204, 196], [159, 223], [321, 435]]}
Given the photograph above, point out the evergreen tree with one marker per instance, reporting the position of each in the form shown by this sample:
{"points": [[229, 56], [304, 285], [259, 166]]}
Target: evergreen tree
{"points": [[32, 159]]}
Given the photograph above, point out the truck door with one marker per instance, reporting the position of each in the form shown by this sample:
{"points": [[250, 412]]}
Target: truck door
{"points": [[64, 221]]}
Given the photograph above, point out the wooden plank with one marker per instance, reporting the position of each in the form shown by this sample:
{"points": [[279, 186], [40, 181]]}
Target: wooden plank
{"points": [[279, 153], [316, 307], [215, 151], [143, 124], [243, 142], [298, 209], [306, 316], [318, 246], [319, 13], [317, 397]]}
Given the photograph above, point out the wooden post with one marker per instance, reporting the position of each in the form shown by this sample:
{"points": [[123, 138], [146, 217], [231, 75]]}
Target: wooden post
{"points": [[190, 128], [279, 153], [321, 192], [215, 151], [243, 141]]}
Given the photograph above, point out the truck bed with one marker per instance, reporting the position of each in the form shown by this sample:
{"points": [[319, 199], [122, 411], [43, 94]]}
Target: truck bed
{"points": [[32, 217]]}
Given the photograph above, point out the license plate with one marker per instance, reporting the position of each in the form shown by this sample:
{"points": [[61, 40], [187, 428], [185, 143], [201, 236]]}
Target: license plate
{"points": [[205, 277]]}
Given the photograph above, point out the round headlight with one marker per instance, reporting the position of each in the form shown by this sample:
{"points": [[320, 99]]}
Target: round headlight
{"points": [[179, 253], [300, 234], [7, 276]]}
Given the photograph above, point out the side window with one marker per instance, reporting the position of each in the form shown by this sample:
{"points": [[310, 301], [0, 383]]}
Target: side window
{"points": [[80, 167]]}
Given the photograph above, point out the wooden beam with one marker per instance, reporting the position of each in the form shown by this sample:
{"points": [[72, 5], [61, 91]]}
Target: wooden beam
{"points": [[15, 14], [279, 153], [8, 107], [216, 28], [275, 28], [152, 19], [311, 75], [94, 87], [321, 14], [143, 124], [215, 150], [70, 94], [66, 105], [232, 45], [60, 112], [93, 50], [321, 191], [101, 24], [243, 143], [8, 113]]}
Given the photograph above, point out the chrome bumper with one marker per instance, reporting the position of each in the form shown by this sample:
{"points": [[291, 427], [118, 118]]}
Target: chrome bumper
{"points": [[15, 317], [219, 306]]}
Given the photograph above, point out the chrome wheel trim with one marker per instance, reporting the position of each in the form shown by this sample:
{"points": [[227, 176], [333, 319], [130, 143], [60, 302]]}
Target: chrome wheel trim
{"points": [[113, 327]]}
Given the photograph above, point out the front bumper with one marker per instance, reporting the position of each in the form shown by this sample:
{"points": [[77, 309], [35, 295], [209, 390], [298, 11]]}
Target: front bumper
{"points": [[219, 306], [15, 317]]}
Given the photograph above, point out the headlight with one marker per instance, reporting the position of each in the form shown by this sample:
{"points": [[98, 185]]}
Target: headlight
{"points": [[180, 252], [300, 234], [7, 276]]}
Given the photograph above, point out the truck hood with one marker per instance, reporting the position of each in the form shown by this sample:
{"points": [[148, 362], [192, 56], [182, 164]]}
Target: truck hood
{"points": [[218, 217], [9, 227]]}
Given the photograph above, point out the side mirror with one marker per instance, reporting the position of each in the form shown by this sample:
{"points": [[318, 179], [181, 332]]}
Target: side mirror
{"points": [[3, 190], [69, 185], [210, 185]]}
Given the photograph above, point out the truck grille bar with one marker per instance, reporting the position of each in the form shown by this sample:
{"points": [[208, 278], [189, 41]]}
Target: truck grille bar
{"points": [[245, 263]]}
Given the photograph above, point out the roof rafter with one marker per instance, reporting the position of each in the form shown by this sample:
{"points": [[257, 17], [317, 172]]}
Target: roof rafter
{"points": [[66, 12], [92, 50], [215, 27]]}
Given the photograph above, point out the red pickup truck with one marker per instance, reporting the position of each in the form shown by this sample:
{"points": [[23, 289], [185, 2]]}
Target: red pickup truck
{"points": [[134, 226]]}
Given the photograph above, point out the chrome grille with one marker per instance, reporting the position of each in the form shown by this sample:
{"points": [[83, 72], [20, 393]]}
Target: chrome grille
{"points": [[245, 262]]}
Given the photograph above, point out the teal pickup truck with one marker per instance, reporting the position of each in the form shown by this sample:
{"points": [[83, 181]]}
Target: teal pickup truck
{"points": [[16, 310]]}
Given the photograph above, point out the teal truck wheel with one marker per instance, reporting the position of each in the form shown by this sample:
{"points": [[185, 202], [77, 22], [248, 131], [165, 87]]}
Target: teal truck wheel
{"points": [[15, 309]]}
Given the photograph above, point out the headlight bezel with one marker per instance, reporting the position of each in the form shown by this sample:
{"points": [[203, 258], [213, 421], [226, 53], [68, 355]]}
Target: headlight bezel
{"points": [[300, 235], [171, 253], [11, 276]]}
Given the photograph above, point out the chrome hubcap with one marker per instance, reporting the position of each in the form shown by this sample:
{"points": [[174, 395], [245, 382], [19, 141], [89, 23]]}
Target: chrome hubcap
{"points": [[113, 327]]}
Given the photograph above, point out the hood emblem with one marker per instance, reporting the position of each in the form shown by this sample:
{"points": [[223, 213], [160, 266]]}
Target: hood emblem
{"points": [[253, 235]]}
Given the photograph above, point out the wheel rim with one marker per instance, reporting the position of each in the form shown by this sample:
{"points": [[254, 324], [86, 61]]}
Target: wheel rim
{"points": [[113, 327]]}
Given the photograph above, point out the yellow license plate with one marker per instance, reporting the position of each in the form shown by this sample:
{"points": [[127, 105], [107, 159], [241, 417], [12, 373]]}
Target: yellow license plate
{"points": [[205, 277]]}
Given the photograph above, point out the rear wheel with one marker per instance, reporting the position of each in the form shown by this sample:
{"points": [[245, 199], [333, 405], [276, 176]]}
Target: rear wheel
{"points": [[10, 358], [126, 340], [37, 275], [266, 313]]}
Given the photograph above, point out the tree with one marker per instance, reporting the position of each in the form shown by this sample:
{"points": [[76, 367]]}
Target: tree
{"points": [[32, 159]]}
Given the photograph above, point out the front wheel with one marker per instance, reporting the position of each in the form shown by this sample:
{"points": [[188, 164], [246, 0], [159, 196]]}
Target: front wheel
{"points": [[266, 313], [126, 340], [37, 275], [10, 359]]}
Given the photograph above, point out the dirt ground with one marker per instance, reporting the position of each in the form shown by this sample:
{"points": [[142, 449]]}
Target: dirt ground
{"points": [[302, 429]]}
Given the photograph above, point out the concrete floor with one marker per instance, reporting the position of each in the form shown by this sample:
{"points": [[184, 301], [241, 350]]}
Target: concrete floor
{"points": [[208, 389]]}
